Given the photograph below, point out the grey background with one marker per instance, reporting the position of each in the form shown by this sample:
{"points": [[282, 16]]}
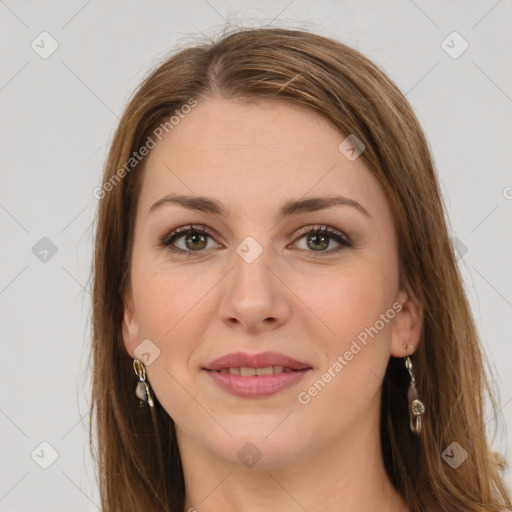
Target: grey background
{"points": [[57, 119]]}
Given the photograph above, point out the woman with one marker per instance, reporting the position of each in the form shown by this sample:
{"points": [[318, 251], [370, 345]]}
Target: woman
{"points": [[279, 320]]}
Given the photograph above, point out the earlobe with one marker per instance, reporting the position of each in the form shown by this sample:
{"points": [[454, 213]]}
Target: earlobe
{"points": [[408, 325]]}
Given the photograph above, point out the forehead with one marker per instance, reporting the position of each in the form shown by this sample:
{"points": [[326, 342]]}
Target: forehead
{"points": [[237, 151], [266, 129]]}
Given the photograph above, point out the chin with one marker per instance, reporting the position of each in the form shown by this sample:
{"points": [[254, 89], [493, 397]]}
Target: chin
{"points": [[258, 449]]}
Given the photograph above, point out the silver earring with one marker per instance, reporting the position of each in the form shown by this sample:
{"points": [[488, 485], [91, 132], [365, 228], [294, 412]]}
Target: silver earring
{"points": [[142, 390], [416, 407]]}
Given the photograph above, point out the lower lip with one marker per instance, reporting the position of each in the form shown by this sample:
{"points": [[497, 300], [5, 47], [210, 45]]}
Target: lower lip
{"points": [[257, 386]]}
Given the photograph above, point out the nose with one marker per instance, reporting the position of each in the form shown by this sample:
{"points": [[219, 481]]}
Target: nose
{"points": [[254, 297]]}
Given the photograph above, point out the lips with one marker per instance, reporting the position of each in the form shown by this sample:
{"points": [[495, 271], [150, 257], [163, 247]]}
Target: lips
{"points": [[263, 360], [256, 375]]}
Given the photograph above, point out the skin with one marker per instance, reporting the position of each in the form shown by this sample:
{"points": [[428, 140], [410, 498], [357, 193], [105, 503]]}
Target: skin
{"points": [[292, 299]]}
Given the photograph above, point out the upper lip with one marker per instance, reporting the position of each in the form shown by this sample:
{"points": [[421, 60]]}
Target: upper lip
{"points": [[261, 360]]}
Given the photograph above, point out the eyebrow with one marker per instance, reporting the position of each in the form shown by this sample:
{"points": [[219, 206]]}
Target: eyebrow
{"points": [[291, 207]]}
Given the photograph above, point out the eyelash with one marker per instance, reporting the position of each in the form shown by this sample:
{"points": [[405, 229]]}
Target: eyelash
{"points": [[168, 239]]}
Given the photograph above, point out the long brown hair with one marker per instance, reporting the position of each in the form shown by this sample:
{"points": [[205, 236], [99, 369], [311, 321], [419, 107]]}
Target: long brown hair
{"points": [[139, 465]]}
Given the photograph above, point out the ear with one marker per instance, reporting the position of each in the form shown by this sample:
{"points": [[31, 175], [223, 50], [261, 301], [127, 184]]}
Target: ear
{"points": [[130, 325], [407, 326]]}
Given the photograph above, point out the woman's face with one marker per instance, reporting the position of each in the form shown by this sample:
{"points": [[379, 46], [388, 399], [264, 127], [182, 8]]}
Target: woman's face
{"points": [[255, 281]]}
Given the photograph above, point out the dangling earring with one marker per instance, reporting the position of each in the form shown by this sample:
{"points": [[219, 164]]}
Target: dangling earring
{"points": [[142, 389], [416, 407]]}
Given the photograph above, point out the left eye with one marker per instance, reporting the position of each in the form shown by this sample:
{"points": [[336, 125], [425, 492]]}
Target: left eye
{"points": [[195, 239], [319, 238]]}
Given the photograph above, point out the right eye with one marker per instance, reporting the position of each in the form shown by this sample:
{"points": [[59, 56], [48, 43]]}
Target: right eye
{"points": [[194, 239]]}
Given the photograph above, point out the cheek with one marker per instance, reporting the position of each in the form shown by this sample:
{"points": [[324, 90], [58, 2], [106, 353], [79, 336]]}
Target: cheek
{"points": [[347, 301], [174, 308], [172, 311], [170, 301], [353, 306]]}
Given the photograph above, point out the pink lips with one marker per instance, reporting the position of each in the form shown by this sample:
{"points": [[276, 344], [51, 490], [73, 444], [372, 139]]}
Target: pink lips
{"points": [[261, 360], [256, 386]]}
